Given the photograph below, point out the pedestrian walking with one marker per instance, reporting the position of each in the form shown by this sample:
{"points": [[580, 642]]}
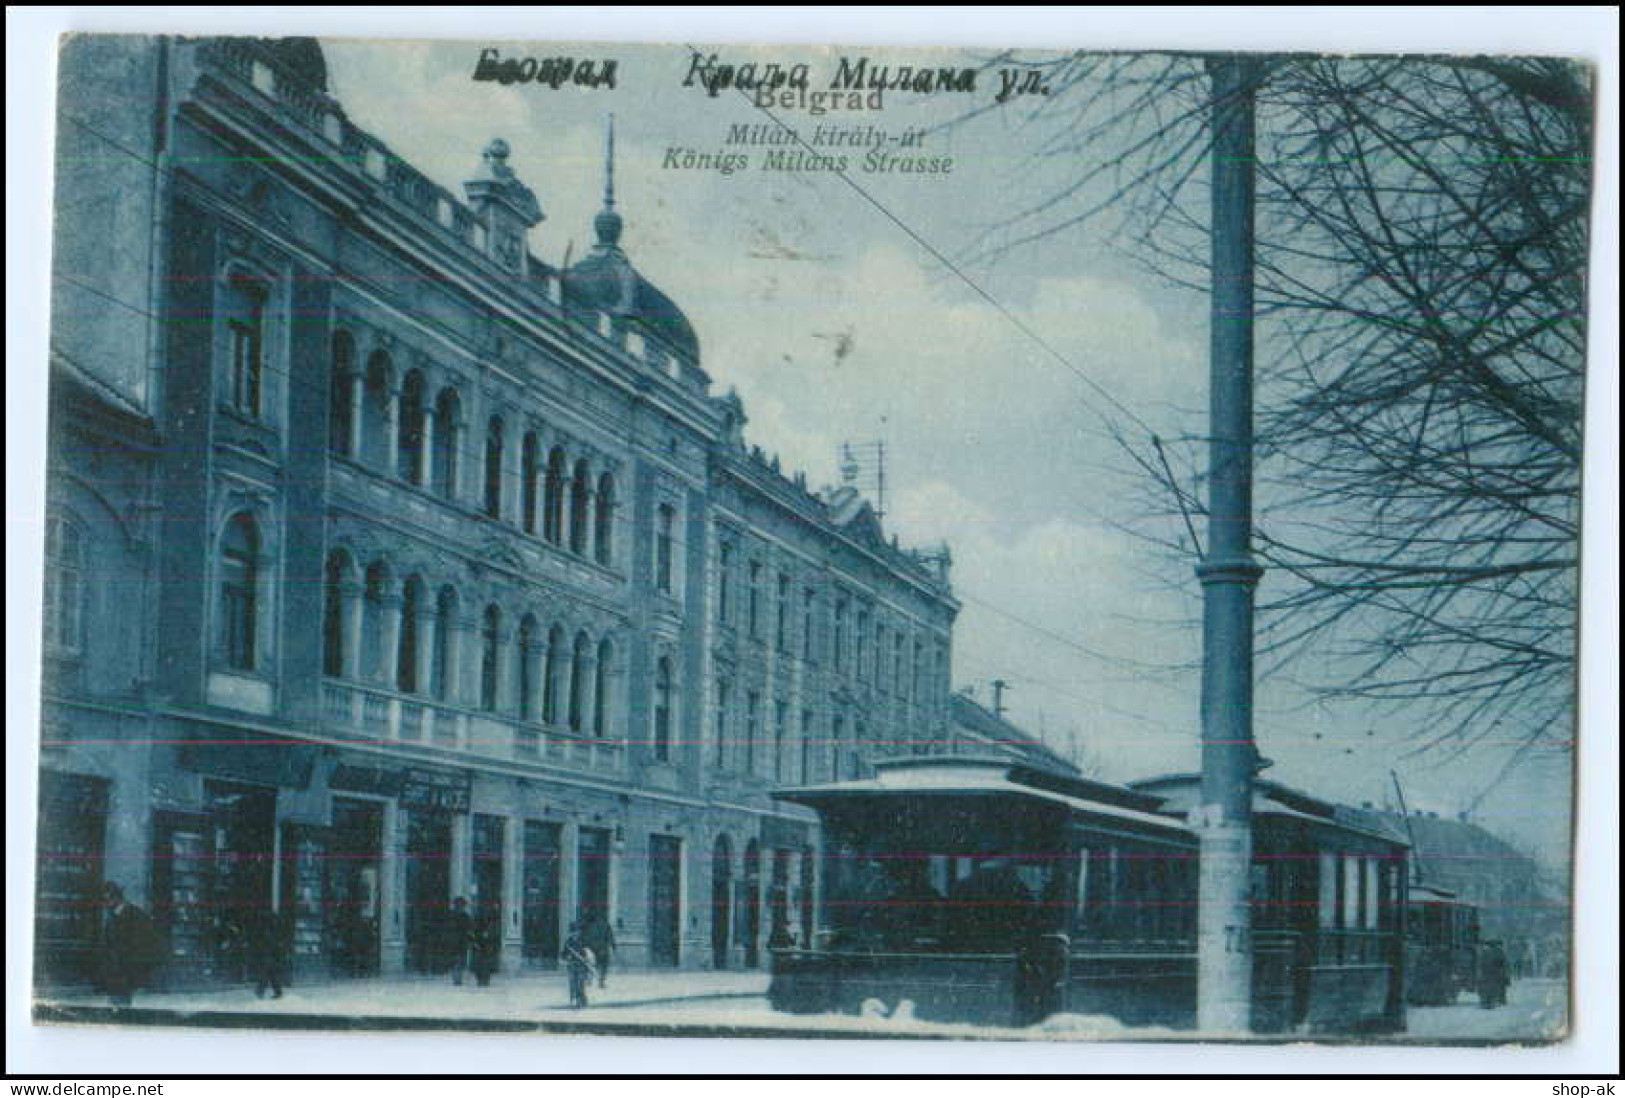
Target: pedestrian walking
{"points": [[484, 944], [130, 947], [457, 932], [600, 938], [266, 942], [579, 963]]}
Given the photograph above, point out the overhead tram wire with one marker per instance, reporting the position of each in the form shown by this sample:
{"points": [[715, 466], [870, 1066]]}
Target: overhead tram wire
{"points": [[471, 455], [936, 253]]}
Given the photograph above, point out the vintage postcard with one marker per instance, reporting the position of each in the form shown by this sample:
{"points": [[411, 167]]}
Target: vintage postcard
{"points": [[812, 541]]}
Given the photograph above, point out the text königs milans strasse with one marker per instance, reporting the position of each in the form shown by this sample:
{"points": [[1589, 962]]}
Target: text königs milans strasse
{"points": [[814, 147]]}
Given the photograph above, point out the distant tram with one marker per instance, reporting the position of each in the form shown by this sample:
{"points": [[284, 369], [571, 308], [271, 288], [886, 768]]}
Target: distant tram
{"points": [[1441, 946], [988, 892]]}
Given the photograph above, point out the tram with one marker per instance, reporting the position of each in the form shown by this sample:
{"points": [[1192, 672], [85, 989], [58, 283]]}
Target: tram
{"points": [[1441, 946], [995, 893]]}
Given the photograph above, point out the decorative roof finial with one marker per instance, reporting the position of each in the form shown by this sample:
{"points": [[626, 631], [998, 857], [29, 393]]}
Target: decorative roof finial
{"points": [[608, 222], [609, 167]]}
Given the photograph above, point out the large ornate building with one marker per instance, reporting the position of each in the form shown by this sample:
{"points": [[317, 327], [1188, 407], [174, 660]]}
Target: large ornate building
{"points": [[388, 564]]}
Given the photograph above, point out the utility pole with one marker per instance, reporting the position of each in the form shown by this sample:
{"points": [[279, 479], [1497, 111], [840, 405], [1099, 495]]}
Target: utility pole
{"points": [[1228, 574]]}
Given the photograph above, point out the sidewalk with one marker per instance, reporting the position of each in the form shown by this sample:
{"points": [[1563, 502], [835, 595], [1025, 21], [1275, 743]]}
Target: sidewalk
{"points": [[512, 1001]]}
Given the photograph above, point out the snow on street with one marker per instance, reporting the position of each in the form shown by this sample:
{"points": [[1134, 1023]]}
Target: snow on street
{"points": [[1536, 1009]]}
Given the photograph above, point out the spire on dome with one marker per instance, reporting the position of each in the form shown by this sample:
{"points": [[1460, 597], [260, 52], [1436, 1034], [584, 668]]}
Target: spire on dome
{"points": [[608, 223]]}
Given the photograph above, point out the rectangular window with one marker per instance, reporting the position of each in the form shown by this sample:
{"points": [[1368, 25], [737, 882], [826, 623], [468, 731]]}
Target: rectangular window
{"points": [[665, 532], [805, 772], [64, 577], [781, 747], [753, 704], [862, 638], [724, 692], [245, 332], [725, 565], [754, 615], [781, 614], [808, 613]]}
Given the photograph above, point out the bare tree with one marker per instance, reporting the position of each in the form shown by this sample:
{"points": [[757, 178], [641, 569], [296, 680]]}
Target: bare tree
{"points": [[1422, 244]]}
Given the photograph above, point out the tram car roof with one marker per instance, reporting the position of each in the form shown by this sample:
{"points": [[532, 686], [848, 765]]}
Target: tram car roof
{"points": [[1433, 894], [1180, 792], [992, 777]]}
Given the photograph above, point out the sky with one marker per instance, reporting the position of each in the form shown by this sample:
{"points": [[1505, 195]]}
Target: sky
{"points": [[841, 318]]}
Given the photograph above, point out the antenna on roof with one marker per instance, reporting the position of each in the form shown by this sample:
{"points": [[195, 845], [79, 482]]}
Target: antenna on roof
{"points": [[863, 465]]}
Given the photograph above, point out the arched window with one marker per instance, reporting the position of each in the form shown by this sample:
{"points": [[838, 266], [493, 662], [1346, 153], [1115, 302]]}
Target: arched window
{"points": [[604, 517], [527, 680], [376, 396], [334, 640], [64, 586], [663, 709], [239, 592], [580, 495], [493, 467], [406, 655], [600, 690], [578, 681], [375, 596], [448, 414], [550, 675], [245, 335], [665, 533], [530, 469], [553, 497], [445, 622], [341, 402], [409, 430], [490, 657]]}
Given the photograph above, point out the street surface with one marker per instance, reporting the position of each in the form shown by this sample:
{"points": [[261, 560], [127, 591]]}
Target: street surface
{"points": [[1535, 1010]]}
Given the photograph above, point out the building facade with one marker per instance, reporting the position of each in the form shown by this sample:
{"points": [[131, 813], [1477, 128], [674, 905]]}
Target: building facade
{"points": [[387, 564]]}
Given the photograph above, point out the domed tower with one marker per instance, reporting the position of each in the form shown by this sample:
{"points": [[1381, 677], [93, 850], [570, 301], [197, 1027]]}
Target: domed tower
{"points": [[605, 281], [508, 206]]}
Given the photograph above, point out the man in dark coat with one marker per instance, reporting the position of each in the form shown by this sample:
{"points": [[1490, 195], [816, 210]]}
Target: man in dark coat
{"points": [[458, 931], [485, 942], [1492, 976], [130, 949], [600, 938], [265, 939]]}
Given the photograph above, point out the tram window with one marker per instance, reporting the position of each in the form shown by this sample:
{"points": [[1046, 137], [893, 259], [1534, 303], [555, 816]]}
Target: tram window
{"points": [[1329, 881], [1351, 894], [1372, 893], [1081, 916]]}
